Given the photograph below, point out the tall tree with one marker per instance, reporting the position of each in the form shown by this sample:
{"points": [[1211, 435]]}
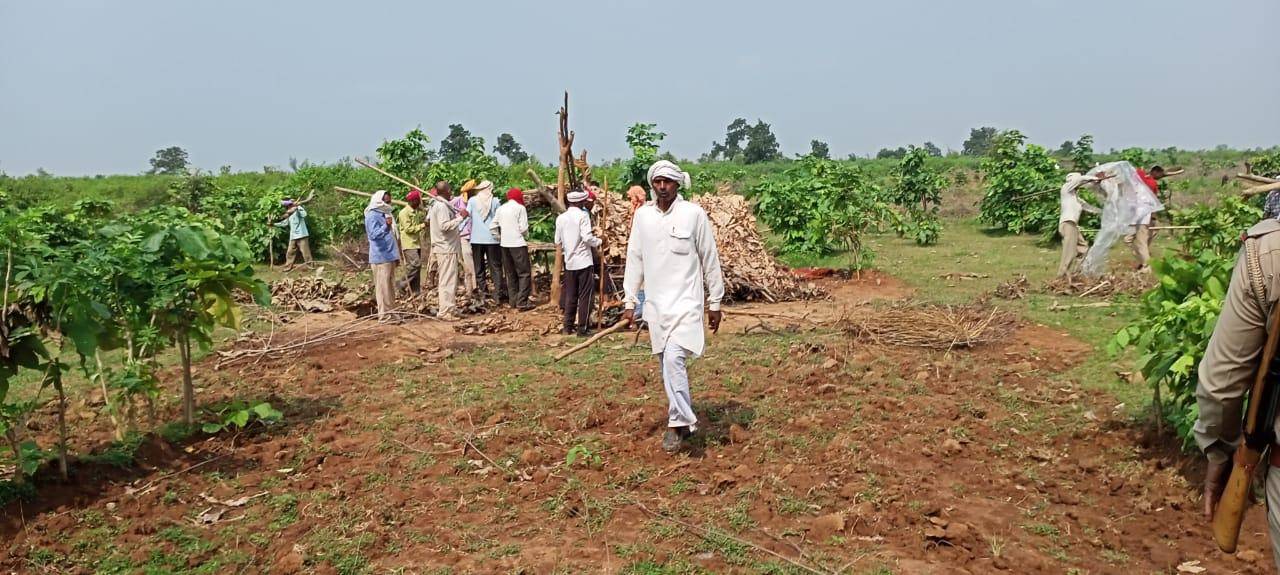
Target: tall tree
{"points": [[762, 145], [897, 153], [819, 149], [453, 148], [1082, 153], [980, 141], [169, 161], [1066, 148], [510, 148], [734, 136], [932, 149]]}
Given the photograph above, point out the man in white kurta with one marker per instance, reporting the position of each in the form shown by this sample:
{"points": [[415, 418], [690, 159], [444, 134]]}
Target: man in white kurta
{"points": [[672, 253]]}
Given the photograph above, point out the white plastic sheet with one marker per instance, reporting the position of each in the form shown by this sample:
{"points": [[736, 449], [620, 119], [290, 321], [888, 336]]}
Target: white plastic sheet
{"points": [[1128, 202]]}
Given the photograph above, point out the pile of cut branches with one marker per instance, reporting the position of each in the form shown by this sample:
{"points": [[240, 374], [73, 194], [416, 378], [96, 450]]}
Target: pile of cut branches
{"points": [[1132, 283], [1015, 288], [931, 326]]}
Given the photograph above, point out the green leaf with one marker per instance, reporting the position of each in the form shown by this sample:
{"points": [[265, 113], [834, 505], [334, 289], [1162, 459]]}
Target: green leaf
{"points": [[211, 427], [191, 242], [239, 418], [155, 241], [267, 413]]}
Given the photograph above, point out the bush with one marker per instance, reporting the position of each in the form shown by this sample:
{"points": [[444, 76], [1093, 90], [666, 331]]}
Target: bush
{"points": [[818, 206], [1013, 173]]}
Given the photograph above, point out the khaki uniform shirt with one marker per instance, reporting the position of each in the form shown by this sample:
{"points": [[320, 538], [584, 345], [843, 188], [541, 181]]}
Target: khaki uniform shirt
{"points": [[1231, 359], [444, 224]]}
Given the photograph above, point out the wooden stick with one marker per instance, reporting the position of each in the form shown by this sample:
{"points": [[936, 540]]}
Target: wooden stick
{"points": [[564, 143], [1177, 172], [604, 269], [597, 337], [365, 194], [542, 191], [1059, 307], [405, 182], [1257, 179], [1260, 189]]}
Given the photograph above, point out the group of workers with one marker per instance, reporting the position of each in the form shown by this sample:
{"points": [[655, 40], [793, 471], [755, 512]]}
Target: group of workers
{"points": [[472, 240], [1138, 235]]}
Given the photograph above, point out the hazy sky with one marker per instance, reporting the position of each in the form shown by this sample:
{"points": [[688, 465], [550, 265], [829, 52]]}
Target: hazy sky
{"points": [[98, 86]]}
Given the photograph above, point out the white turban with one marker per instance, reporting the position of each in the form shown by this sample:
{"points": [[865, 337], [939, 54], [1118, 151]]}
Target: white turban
{"points": [[377, 204], [670, 171], [576, 196]]}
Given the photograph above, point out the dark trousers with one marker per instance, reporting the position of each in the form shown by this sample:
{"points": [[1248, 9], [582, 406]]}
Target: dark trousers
{"points": [[489, 257], [515, 268], [577, 298]]}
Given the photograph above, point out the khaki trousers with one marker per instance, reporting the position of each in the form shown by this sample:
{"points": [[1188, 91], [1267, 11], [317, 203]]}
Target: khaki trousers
{"points": [[1140, 241], [412, 270], [301, 244], [384, 289], [447, 291], [1073, 246], [468, 267]]}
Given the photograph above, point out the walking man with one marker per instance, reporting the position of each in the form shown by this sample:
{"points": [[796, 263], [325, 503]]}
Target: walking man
{"points": [[295, 219], [486, 254], [510, 224], [411, 220], [1073, 244], [1230, 363], [672, 253], [383, 251], [446, 247], [573, 234]]}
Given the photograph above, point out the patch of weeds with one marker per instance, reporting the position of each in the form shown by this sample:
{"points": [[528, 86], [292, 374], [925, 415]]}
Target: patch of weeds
{"points": [[740, 515], [286, 507], [681, 486], [1043, 530], [119, 453], [790, 505], [734, 553], [1115, 556], [41, 557], [662, 529], [10, 492], [870, 493], [178, 431], [675, 567], [996, 545]]}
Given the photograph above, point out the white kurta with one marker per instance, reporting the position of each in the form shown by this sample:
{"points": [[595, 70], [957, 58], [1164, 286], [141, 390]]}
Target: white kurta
{"points": [[671, 254], [573, 234]]}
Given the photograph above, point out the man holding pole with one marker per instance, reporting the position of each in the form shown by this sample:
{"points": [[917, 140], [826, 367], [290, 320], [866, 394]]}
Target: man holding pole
{"points": [[446, 248], [573, 234], [1140, 238], [672, 253], [1074, 245], [1230, 363], [295, 219]]}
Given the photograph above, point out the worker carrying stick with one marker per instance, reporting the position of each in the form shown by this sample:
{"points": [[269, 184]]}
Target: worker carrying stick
{"points": [[672, 253], [295, 220], [1074, 246]]}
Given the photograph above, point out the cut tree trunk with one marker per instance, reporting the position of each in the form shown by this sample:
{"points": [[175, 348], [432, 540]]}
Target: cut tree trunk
{"points": [[106, 396]]}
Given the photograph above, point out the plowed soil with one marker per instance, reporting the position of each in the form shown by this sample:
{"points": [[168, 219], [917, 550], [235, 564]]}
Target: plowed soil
{"points": [[413, 449]]}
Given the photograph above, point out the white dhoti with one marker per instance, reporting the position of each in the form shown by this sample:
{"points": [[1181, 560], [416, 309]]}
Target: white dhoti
{"points": [[675, 378]]}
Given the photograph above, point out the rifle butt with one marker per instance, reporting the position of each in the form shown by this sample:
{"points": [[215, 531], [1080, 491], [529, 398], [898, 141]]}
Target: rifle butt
{"points": [[1229, 514]]}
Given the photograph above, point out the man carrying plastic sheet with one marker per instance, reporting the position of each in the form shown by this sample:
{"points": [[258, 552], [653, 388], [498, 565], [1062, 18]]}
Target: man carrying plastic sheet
{"points": [[672, 253], [1074, 245]]}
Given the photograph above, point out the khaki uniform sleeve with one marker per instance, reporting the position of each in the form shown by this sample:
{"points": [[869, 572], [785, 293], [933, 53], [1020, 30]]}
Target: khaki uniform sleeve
{"points": [[1229, 364]]}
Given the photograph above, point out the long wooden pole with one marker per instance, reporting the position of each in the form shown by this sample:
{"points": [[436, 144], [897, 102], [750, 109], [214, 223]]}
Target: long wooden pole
{"points": [[366, 194], [1260, 189], [405, 182], [604, 266], [562, 178], [1257, 179]]}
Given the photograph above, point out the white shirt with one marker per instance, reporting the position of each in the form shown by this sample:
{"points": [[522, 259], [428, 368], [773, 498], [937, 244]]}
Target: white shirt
{"points": [[671, 254], [573, 234], [510, 224], [1070, 199]]}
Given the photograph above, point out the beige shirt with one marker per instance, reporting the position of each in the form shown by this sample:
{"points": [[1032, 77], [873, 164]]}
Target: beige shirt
{"points": [[444, 224], [1231, 358]]}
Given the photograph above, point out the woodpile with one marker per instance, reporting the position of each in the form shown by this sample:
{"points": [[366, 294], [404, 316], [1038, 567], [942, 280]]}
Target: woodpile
{"points": [[487, 325], [750, 271], [1015, 288], [1132, 283], [314, 294], [934, 326]]}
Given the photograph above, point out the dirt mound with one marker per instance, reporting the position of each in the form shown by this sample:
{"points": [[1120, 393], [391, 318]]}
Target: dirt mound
{"points": [[750, 272]]}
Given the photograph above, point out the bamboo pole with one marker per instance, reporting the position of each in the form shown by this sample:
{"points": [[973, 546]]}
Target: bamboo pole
{"points": [[366, 194], [1260, 189], [405, 182], [604, 269], [597, 337], [1257, 179], [565, 141]]}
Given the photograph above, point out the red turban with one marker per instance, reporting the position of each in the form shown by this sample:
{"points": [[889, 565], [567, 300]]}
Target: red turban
{"points": [[414, 196], [516, 194]]}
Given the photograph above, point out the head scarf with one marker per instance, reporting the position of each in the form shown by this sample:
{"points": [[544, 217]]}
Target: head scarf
{"points": [[515, 195], [377, 204], [670, 171], [576, 196], [484, 199]]}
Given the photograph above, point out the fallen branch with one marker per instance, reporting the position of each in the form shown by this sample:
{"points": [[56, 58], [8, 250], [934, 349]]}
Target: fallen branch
{"points": [[1096, 288], [1257, 179], [1247, 192], [1063, 307], [542, 191], [152, 483], [597, 337], [708, 532]]}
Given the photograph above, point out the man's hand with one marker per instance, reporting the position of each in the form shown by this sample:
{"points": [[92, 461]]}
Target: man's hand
{"points": [[629, 316], [1215, 480], [713, 320], [462, 213]]}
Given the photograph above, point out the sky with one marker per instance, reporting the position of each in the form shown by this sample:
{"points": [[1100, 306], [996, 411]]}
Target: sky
{"points": [[96, 87]]}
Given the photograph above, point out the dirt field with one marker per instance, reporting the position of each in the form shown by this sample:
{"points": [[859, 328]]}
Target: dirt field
{"points": [[411, 449]]}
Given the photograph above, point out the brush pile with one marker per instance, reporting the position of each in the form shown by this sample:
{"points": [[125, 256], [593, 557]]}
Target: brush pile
{"points": [[1015, 288], [750, 272], [314, 294], [1105, 286], [933, 326]]}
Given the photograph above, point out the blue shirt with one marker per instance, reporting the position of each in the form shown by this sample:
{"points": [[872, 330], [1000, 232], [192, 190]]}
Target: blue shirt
{"points": [[382, 242], [296, 222], [480, 233]]}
